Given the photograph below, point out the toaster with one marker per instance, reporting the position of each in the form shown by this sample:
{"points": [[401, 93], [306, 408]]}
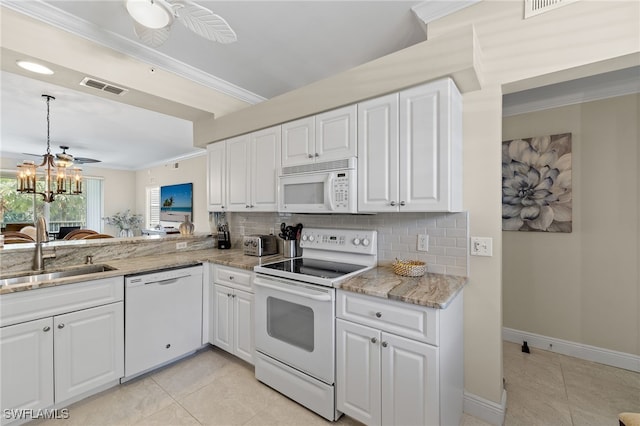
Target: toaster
{"points": [[260, 245]]}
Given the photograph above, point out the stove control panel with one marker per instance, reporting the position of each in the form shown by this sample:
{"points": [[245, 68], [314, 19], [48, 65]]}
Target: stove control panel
{"points": [[340, 240]]}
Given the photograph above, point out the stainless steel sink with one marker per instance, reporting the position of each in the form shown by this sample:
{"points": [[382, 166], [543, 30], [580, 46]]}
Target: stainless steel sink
{"points": [[36, 277]]}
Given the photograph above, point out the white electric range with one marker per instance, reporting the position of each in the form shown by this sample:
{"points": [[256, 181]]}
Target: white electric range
{"points": [[295, 314]]}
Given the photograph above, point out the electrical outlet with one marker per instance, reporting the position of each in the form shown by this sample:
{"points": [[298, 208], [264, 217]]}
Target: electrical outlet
{"points": [[182, 245], [481, 246], [423, 242]]}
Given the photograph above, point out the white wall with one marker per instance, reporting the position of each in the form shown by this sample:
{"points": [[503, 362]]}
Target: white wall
{"points": [[192, 170], [558, 44], [583, 286]]}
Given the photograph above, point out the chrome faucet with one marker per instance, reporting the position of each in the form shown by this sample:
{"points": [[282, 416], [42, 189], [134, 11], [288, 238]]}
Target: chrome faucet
{"points": [[41, 237]]}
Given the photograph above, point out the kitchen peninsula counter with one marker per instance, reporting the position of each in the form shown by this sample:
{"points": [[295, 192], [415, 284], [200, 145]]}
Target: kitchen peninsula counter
{"points": [[134, 265], [431, 290]]}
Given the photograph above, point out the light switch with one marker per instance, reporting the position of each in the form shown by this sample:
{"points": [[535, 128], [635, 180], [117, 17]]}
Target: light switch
{"points": [[481, 246]]}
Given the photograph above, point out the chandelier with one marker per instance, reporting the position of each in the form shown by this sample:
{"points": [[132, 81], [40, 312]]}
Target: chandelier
{"points": [[60, 177]]}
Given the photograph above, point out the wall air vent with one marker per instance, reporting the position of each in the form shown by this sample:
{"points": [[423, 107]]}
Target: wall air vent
{"points": [[101, 85], [536, 7]]}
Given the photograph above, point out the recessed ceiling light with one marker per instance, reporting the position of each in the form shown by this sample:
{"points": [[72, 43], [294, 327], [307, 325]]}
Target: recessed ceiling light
{"points": [[34, 67]]}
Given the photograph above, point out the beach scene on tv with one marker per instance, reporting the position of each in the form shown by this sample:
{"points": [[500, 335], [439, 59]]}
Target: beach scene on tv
{"points": [[176, 202]]}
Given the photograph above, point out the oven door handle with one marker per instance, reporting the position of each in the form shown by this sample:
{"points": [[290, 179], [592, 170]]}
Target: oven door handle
{"points": [[324, 297]]}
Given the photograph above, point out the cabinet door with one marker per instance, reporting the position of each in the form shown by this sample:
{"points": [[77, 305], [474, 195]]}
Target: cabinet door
{"points": [[265, 166], [238, 173], [89, 349], [244, 345], [358, 372], [378, 154], [298, 142], [430, 148], [336, 134], [410, 382], [216, 176], [223, 313], [26, 365]]}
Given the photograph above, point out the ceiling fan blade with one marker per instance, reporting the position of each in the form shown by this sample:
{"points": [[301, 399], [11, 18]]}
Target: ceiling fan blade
{"points": [[204, 22], [151, 37], [85, 160]]}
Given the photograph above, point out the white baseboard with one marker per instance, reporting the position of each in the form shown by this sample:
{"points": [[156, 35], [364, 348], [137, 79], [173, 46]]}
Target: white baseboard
{"points": [[577, 350], [484, 409]]}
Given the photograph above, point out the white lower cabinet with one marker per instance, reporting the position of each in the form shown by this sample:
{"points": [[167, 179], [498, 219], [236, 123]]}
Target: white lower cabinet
{"points": [[47, 361], [383, 378], [88, 349], [232, 312], [27, 365]]}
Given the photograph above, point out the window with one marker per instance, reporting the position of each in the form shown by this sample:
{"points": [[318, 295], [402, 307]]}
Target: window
{"points": [[152, 216], [83, 210]]}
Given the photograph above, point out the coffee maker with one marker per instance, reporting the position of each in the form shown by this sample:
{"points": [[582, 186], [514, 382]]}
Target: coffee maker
{"points": [[224, 239], [219, 221]]}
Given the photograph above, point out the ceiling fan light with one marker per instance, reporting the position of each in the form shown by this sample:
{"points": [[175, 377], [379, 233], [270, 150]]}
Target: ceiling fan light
{"points": [[150, 13], [34, 67]]}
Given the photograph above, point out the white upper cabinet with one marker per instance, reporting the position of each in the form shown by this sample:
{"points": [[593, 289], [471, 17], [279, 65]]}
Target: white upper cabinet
{"points": [[216, 177], [324, 137], [298, 142], [248, 181], [336, 134], [238, 173], [410, 150], [378, 160], [265, 162]]}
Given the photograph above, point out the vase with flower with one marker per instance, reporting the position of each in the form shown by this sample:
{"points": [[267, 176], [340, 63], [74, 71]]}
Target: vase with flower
{"points": [[125, 222]]}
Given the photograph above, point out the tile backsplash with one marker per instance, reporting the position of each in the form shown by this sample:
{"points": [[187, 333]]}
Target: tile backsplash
{"points": [[397, 234]]}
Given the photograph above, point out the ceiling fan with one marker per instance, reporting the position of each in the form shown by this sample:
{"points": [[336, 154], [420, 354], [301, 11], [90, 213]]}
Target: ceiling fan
{"points": [[153, 20], [65, 158]]}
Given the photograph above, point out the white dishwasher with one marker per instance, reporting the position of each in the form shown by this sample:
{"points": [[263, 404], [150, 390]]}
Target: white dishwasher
{"points": [[163, 317]]}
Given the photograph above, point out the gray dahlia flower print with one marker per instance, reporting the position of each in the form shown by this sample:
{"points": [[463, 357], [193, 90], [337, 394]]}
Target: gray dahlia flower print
{"points": [[536, 184]]}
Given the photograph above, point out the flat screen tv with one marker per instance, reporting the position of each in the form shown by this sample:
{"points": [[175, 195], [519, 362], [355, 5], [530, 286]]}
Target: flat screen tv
{"points": [[176, 202]]}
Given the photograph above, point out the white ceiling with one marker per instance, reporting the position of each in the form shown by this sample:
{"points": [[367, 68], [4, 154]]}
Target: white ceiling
{"points": [[281, 46]]}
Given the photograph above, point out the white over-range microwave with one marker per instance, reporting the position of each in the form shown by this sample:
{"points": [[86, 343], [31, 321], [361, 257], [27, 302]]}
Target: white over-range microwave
{"points": [[329, 187]]}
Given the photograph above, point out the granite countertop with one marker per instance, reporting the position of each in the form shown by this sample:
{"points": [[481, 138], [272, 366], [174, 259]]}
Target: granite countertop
{"points": [[432, 290], [134, 265]]}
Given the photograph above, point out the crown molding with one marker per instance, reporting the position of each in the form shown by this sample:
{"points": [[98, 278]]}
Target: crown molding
{"points": [[588, 89], [58, 18]]}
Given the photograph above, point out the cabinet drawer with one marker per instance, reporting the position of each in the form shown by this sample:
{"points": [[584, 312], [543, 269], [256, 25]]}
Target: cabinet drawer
{"points": [[404, 319], [233, 277], [33, 304]]}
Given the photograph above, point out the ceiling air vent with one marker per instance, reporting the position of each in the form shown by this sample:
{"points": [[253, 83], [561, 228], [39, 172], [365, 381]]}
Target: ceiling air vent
{"points": [[536, 7], [101, 85]]}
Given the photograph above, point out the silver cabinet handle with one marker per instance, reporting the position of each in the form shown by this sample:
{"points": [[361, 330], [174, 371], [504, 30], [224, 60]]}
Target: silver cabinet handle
{"points": [[247, 206], [374, 340], [60, 326], [385, 344], [310, 156], [378, 314], [233, 295], [402, 203], [47, 328], [228, 294], [392, 204], [317, 155], [230, 277]]}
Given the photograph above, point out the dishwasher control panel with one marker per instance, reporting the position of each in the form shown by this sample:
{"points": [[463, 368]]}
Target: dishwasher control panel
{"points": [[164, 275]]}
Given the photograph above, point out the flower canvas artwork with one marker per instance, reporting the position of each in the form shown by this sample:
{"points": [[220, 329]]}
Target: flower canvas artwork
{"points": [[536, 184]]}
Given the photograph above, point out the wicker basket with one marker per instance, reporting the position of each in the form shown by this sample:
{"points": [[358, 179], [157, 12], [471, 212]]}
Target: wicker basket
{"points": [[409, 268]]}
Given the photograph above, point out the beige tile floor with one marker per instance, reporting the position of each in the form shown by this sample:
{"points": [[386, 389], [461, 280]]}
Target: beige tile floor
{"points": [[215, 388]]}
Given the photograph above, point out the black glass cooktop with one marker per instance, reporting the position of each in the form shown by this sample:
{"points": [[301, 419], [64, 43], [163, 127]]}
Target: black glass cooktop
{"points": [[314, 267]]}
